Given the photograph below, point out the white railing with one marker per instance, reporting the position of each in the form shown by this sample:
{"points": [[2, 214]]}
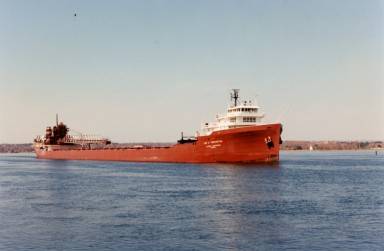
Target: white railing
{"points": [[84, 139]]}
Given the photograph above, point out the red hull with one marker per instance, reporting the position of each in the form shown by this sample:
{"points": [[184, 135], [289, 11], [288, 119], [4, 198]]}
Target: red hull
{"points": [[245, 144]]}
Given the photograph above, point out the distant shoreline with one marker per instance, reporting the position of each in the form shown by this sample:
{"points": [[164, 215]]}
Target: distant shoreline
{"points": [[289, 145], [327, 145]]}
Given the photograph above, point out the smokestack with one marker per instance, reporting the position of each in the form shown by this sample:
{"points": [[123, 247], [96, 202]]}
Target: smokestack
{"points": [[57, 120]]}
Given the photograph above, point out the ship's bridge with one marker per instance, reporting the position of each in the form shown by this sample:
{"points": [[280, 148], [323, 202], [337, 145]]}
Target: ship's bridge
{"points": [[239, 114]]}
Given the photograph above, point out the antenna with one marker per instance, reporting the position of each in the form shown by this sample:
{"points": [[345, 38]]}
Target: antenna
{"points": [[235, 95], [57, 119]]}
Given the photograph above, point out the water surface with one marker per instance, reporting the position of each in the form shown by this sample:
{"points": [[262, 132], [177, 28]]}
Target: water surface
{"points": [[309, 201]]}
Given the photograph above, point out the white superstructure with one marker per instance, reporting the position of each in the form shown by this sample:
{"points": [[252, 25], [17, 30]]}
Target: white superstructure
{"points": [[239, 114]]}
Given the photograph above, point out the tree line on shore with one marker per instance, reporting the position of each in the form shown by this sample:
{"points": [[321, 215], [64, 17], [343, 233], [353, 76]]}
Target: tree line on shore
{"points": [[331, 145]]}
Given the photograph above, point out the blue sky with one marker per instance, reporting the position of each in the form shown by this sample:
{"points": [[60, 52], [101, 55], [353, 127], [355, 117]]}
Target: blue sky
{"points": [[146, 70]]}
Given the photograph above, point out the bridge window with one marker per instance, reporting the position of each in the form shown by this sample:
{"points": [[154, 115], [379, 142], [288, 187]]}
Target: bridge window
{"points": [[232, 120], [249, 119]]}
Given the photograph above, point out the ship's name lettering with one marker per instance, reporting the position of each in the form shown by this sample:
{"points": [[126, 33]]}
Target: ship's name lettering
{"points": [[213, 142]]}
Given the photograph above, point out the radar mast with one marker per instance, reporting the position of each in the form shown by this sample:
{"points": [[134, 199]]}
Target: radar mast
{"points": [[235, 95]]}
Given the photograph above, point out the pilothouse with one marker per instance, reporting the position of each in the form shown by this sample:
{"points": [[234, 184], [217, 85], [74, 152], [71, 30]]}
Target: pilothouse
{"points": [[239, 114]]}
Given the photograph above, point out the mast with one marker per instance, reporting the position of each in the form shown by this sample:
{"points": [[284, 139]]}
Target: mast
{"points": [[235, 95], [57, 120]]}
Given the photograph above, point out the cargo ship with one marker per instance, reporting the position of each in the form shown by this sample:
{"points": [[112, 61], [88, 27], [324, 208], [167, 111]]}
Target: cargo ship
{"points": [[238, 136]]}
